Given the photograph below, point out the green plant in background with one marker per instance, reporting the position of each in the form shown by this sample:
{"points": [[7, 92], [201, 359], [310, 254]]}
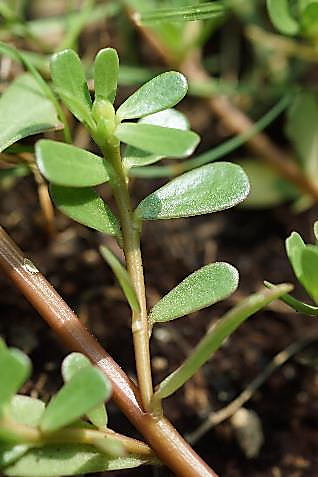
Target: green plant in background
{"points": [[304, 261], [299, 19]]}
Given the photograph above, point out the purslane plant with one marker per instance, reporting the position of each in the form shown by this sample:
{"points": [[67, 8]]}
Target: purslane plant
{"points": [[73, 173]]}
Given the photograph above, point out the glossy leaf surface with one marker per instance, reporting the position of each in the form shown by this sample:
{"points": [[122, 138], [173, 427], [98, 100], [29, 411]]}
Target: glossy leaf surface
{"points": [[204, 287], [106, 69], [15, 368], [122, 276], [24, 111], [84, 391], [216, 336], [86, 207], [279, 13], [57, 460], [210, 188], [158, 139], [162, 92], [309, 262], [70, 82], [70, 366], [68, 165], [294, 249]]}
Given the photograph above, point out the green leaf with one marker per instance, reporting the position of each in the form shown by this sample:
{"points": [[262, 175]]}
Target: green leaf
{"points": [[309, 263], [302, 132], [73, 363], [9, 453], [86, 207], [70, 82], [316, 230], [281, 17], [162, 92], [122, 276], [297, 305], [216, 336], [57, 460], [157, 139], [309, 20], [24, 111], [203, 288], [182, 13], [294, 249], [68, 165], [169, 118], [210, 188], [26, 410], [106, 70], [84, 391], [15, 368]]}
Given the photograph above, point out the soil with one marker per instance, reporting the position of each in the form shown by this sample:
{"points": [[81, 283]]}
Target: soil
{"points": [[253, 241]]}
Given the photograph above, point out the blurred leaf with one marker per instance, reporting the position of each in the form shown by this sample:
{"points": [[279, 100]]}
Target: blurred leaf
{"points": [[294, 249], [26, 410], [70, 83], [157, 139], [57, 460], [9, 453], [309, 262], [316, 230], [267, 186], [203, 288], [309, 20], [24, 111], [106, 74], [86, 207], [302, 131], [73, 363], [162, 92], [15, 368], [281, 17], [216, 336], [210, 188], [202, 11], [68, 165], [297, 305], [122, 276], [169, 118], [84, 391]]}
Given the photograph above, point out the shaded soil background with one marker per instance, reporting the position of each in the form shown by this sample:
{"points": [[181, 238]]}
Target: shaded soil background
{"points": [[287, 404]]}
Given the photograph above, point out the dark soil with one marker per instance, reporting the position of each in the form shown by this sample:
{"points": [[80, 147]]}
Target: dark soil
{"points": [[287, 404]]}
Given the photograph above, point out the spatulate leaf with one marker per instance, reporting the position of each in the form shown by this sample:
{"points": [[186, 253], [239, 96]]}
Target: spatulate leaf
{"points": [[106, 71], [210, 188], [26, 410], [84, 391], [86, 207], [309, 263], [15, 367], [24, 111], [162, 92], [294, 248], [204, 287], [157, 139], [68, 165]]}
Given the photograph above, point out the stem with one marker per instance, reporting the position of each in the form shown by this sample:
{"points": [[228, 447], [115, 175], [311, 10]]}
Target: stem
{"points": [[131, 245], [163, 438]]}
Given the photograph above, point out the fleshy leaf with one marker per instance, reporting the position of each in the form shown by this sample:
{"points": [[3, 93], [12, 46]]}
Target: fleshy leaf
{"points": [[157, 139], [24, 111], [281, 17], [294, 249], [73, 363], [86, 207], [297, 305], [169, 118], [57, 460], [122, 276], [15, 368], [67, 165], [309, 263], [9, 453], [70, 82], [162, 92], [309, 20], [26, 410], [210, 188], [203, 288], [216, 336], [84, 391], [106, 74]]}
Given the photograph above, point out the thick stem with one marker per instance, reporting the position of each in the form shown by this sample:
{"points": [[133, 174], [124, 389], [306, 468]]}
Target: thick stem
{"points": [[131, 243], [163, 438]]}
